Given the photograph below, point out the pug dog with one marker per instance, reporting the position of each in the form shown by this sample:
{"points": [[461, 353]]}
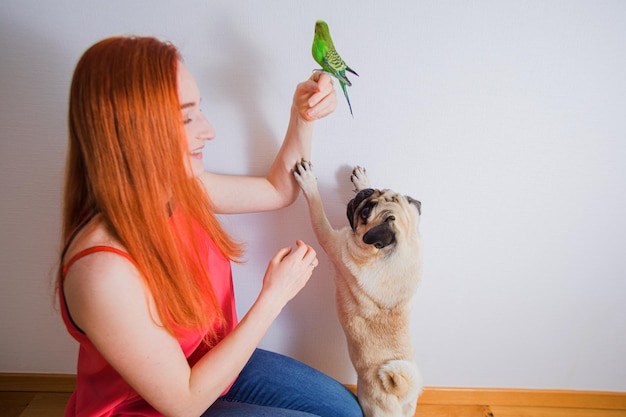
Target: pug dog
{"points": [[378, 263]]}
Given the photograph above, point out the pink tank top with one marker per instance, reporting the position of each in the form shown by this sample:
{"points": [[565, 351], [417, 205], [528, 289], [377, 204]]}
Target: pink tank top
{"points": [[100, 390]]}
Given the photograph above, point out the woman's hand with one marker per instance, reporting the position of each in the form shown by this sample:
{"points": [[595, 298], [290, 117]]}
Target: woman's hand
{"points": [[288, 272], [315, 98]]}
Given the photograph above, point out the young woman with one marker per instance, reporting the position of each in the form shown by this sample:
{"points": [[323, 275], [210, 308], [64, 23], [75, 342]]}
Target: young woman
{"points": [[145, 283]]}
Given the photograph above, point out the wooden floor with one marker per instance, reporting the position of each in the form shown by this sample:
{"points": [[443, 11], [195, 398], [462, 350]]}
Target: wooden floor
{"points": [[32, 404], [45, 395], [51, 404]]}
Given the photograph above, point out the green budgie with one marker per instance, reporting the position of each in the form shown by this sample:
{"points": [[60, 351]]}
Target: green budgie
{"points": [[325, 54]]}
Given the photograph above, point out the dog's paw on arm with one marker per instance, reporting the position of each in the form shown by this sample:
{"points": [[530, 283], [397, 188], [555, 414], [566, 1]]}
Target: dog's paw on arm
{"points": [[303, 173]]}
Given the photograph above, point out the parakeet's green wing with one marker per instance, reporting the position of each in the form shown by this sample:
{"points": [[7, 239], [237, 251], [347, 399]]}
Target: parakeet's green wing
{"points": [[336, 66]]}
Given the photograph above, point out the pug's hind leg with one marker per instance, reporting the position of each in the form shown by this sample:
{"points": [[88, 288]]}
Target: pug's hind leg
{"points": [[359, 179]]}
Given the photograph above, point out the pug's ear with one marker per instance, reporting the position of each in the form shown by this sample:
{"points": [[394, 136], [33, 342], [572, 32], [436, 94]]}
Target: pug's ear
{"points": [[416, 203], [353, 205], [350, 213]]}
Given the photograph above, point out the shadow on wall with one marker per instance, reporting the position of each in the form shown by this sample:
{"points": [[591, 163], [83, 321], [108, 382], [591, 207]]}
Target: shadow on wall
{"points": [[35, 83], [307, 329], [240, 75], [35, 89], [318, 337]]}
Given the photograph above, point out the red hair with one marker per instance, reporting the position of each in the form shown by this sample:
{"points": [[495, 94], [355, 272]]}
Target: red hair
{"points": [[126, 161]]}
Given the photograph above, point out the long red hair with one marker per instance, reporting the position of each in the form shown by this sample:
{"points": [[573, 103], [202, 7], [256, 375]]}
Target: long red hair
{"points": [[126, 161]]}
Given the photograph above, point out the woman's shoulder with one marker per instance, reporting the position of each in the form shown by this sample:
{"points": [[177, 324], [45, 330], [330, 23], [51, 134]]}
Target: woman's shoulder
{"points": [[99, 276], [94, 256], [93, 234]]}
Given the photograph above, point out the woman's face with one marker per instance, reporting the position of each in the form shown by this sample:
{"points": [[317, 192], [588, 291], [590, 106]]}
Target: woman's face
{"points": [[197, 127]]}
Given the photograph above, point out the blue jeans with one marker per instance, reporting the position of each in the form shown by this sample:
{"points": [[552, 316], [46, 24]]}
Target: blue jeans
{"points": [[275, 385]]}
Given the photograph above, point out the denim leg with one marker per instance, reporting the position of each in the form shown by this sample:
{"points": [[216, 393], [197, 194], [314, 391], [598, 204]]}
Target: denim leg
{"points": [[273, 380], [223, 408]]}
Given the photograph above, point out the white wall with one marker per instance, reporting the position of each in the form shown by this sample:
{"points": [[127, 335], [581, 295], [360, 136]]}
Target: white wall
{"points": [[505, 118]]}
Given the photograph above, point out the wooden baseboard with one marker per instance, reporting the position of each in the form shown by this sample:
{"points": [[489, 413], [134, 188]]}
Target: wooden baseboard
{"points": [[599, 400], [37, 382], [525, 398], [22, 382]]}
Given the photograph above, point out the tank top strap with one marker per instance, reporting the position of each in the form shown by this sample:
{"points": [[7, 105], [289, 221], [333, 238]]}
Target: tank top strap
{"points": [[94, 249]]}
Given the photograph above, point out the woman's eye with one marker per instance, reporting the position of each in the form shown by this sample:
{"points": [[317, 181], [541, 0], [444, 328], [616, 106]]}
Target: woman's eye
{"points": [[191, 116]]}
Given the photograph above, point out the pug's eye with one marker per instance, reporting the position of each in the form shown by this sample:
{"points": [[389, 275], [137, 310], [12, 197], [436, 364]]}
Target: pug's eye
{"points": [[365, 213]]}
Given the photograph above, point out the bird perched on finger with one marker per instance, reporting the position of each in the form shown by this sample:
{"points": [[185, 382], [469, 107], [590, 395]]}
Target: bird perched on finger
{"points": [[326, 55]]}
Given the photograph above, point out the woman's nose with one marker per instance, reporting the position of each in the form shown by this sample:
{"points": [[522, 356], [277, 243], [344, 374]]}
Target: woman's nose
{"points": [[207, 132]]}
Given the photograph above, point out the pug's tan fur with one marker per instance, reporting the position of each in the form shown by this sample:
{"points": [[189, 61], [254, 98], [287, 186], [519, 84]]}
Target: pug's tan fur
{"points": [[378, 264]]}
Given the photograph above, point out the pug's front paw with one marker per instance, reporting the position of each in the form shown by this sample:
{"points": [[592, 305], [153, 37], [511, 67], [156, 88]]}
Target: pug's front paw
{"points": [[303, 173], [359, 179]]}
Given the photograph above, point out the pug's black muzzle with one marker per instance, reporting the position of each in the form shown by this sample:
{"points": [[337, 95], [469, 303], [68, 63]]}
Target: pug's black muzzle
{"points": [[380, 236]]}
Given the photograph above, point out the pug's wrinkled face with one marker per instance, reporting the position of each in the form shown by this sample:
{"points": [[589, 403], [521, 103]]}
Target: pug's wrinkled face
{"points": [[377, 216]]}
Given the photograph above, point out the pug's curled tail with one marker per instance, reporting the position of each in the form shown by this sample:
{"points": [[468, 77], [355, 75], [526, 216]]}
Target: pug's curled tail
{"points": [[401, 378]]}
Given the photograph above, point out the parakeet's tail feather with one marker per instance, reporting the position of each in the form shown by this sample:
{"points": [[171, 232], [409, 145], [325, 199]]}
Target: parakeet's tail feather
{"points": [[345, 93], [351, 70]]}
